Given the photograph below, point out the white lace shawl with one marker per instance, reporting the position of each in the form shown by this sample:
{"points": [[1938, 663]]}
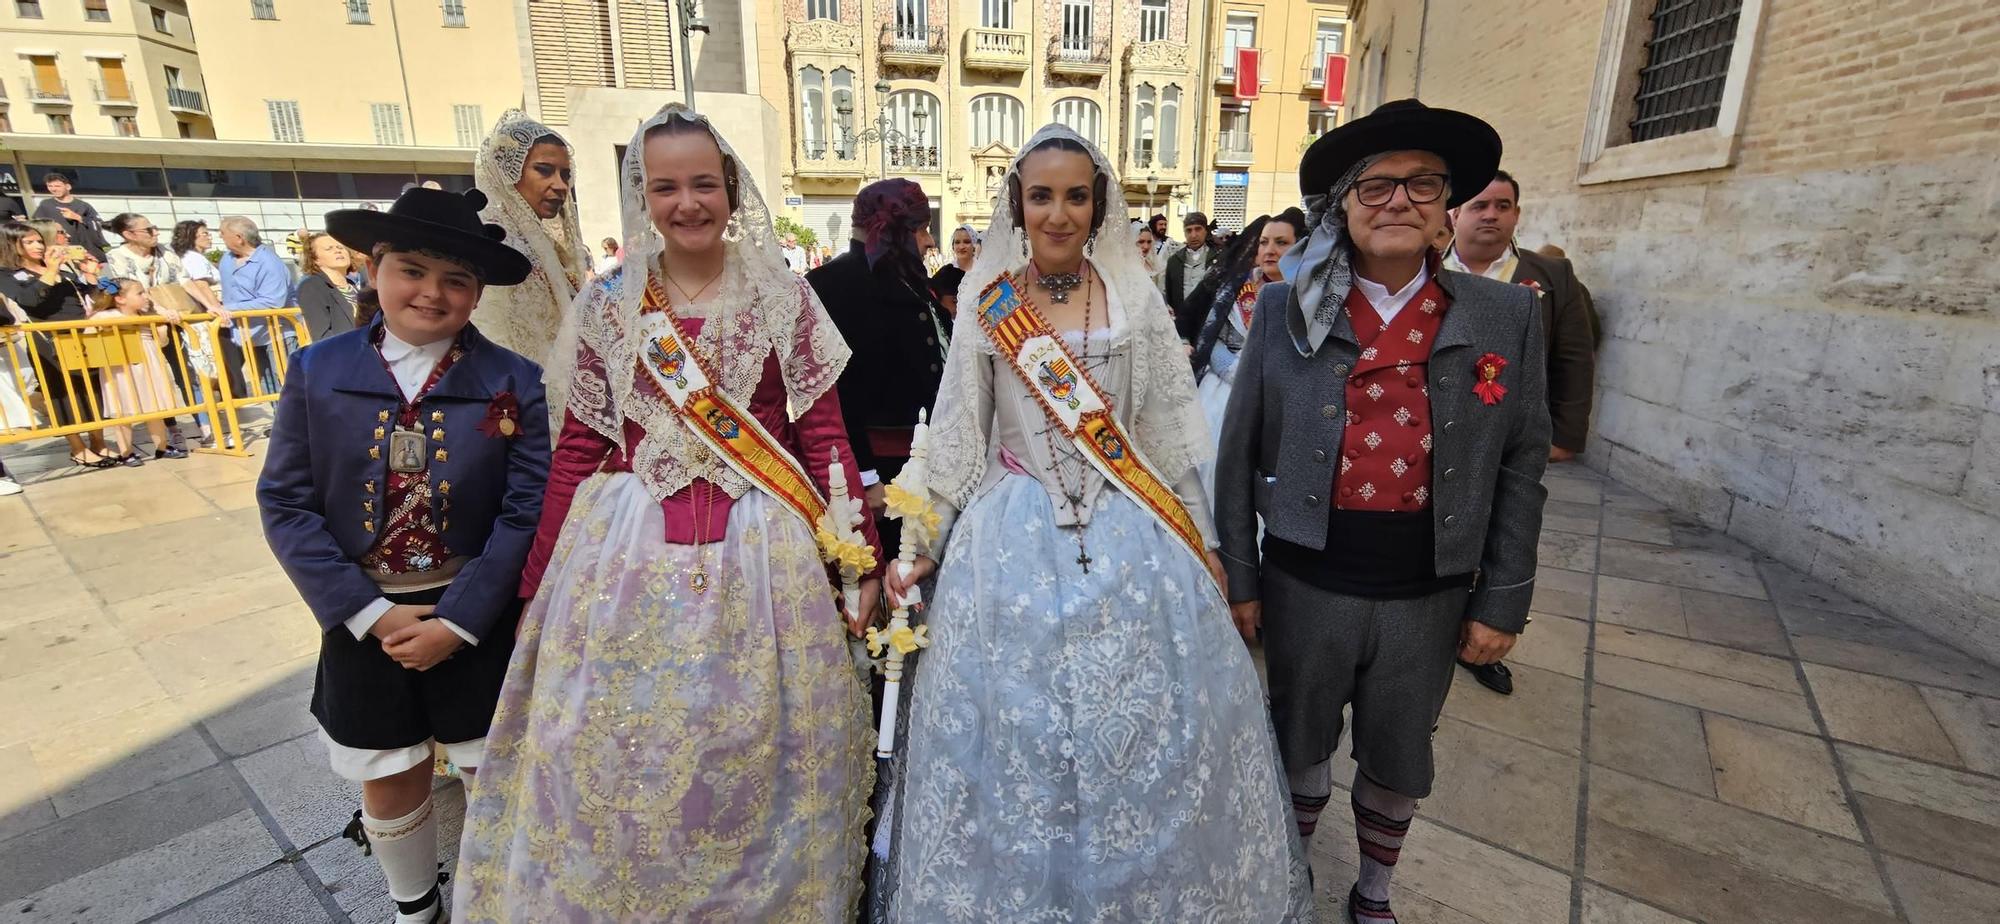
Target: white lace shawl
{"points": [[761, 308], [1167, 423], [524, 318]]}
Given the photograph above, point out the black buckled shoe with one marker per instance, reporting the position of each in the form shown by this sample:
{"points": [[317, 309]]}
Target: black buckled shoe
{"points": [[1495, 676]]}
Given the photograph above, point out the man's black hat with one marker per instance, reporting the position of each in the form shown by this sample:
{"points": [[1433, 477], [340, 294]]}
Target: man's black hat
{"points": [[435, 220], [1469, 146]]}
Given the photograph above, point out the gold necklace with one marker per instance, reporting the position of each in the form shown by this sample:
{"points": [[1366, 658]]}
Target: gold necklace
{"points": [[690, 299], [698, 578]]}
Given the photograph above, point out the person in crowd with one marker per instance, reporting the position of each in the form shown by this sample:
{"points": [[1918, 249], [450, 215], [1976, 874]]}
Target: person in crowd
{"points": [[964, 247], [880, 300], [79, 218], [143, 256], [795, 256], [1484, 246], [945, 282], [1149, 256], [203, 282], [1185, 268], [1227, 328], [722, 767], [524, 171], [608, 262], [142, 387], [326, 292], [1388, 425], [1163, 245], [253, 277], [51, 285], [1087, 738], [400, 493]]}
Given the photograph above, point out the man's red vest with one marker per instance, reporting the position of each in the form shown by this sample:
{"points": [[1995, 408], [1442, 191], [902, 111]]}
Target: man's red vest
{"points": [[1385, 451]]}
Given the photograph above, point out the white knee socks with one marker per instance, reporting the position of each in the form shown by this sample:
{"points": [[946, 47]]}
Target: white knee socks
{"points": [[407, 849]]}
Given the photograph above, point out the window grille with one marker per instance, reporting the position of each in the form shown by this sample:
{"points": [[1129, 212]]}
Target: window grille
{"points": [[454, 13], [1081, 115], [1231, 203], [468, 120], [1687, 65], [284, 115], [357, 12], [1076, 25], [263, 9], [388, 119]]}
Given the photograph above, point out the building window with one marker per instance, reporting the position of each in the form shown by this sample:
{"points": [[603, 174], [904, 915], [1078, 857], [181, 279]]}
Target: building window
{"points": [[1145, 124], [1235, 141], [454, 13], [1170, 126], [284, 115], [996, 14], [357, 12], [1076, 25], [1321, 121], [812, 111], [60, 124], [1239, 31], [45, 78], [97, 10], [1081, 115], [263, 9], [127, 126], [468, 121], [1152, 20], [912, 21], [28, 9], [823, 9], [1330, 39], [842, 100], [388, 121], [996, 119], [160, 23], [1684, 112], [1687, 63], [187, 131], [111, 83], [913, 115], [6, 123]]}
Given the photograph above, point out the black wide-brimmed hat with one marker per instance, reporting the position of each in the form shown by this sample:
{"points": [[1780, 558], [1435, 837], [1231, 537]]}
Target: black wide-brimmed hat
{"points": [[435, 220], [1469, 146]]}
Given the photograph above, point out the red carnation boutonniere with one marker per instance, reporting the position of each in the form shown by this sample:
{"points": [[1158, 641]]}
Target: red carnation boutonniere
{"points": [[1488, 388], [1530, 283], [503, 416]]}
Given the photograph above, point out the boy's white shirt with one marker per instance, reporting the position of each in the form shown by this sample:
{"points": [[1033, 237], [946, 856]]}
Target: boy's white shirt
{"points": [[410, 364]]}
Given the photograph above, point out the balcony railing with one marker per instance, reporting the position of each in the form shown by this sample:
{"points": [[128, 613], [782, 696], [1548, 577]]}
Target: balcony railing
{"points": [[50, 91], [824, 159], [909, 46], [999, 50], [913, 157], [117, 92], [1234, 150], [190, 100], [1079, 55]]}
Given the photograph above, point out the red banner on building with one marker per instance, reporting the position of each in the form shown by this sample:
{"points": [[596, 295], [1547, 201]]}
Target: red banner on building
{"points": [[1247, 71], [1333, 91]]}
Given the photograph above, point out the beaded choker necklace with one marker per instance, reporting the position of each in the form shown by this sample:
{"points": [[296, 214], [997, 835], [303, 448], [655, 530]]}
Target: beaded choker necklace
{"points": [[1058, 285]]}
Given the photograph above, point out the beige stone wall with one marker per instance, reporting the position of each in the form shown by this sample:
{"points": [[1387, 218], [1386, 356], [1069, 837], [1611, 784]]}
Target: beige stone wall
{"points": [[1803, 348]]}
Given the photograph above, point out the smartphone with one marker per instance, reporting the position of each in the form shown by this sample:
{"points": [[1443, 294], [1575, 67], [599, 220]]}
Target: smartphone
{"points": [[77, 253]]}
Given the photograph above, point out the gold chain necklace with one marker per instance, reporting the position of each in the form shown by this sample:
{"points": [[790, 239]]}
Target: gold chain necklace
{"points": [[705, 506]]}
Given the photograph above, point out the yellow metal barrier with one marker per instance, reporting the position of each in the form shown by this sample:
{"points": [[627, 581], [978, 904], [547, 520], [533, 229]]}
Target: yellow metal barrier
{"points": [[212, 375]]}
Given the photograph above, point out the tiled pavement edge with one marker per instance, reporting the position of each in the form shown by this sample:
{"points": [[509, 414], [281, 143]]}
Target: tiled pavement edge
{"points": [[1698, 733]]}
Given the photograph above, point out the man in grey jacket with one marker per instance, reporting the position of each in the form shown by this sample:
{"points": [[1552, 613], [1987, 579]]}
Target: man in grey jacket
{"points": [[1389, 425]]}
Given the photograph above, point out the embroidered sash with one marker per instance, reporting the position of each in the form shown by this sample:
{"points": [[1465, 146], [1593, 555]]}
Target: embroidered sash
{"points": [[1073, 404], [730, 431]]}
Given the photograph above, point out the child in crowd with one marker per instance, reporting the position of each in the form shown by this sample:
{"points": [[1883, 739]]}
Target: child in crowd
{"points": [[142, 385], [401, 492]]}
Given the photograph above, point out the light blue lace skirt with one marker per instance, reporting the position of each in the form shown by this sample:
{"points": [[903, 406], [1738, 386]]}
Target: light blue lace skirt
{"points": [[1087, 746]]}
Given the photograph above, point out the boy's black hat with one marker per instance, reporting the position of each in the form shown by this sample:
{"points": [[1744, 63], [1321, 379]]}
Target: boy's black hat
{"points": [[435, 220]]}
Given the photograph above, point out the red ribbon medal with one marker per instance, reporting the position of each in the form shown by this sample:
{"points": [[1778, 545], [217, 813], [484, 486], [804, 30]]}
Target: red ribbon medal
{"points": [[1488, 388], [503, 416]]}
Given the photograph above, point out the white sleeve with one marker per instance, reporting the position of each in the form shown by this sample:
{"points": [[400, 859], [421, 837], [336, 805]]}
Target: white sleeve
{"points": [[461, 633], [361, 622]]}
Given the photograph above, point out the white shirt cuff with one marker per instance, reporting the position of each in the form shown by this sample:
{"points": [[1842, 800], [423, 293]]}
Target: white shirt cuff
{"points": [[870, 479], [461, 633], [361, 622]]}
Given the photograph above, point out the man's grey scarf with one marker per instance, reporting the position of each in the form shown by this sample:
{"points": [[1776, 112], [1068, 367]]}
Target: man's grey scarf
{"points": [[1318, 265]]}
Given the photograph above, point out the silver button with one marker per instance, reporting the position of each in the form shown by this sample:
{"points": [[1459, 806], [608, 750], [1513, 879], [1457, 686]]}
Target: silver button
{"points": [[1450, 473], [1319, 455], [1340, 368], [1312, 499], [1448, 423], [1444, 380], [1329, 412], [1449, 519]]}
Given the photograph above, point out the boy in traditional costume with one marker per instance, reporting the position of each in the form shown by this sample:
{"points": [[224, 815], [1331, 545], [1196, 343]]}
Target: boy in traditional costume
{"points": [[401, 494]]}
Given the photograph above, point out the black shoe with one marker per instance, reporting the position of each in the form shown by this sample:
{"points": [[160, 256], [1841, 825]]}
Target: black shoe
{"points": [[1495, 676], [171, 452], [131, 460]]}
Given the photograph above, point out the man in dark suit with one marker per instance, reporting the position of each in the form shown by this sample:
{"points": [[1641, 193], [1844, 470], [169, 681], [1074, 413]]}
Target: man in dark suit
{"points": [[1185, 267], [1484, 246], [879, 297], [1388, 425], [401, 492]]}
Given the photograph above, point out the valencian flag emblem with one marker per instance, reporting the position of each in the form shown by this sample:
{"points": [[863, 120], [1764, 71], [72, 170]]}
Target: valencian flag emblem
{"points": [[1060, 380]]}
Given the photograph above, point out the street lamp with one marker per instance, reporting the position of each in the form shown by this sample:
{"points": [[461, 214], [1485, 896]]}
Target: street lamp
{"points": [[1152, 185], [884, 131]]}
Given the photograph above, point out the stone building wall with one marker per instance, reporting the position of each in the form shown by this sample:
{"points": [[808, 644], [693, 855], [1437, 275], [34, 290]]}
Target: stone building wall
{"points": [[1803, 348]]}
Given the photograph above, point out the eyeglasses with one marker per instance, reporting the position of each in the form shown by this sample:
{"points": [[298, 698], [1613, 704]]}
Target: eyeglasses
{"points": [[146, 230], [1424, 187]]}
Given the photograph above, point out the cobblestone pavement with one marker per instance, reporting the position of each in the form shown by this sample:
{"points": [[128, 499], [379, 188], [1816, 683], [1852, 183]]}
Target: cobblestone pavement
{"points": [[1698, 733]]}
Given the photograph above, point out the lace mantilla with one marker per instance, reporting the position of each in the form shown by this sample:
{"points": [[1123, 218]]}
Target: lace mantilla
{"points": [[760, 309], [1166, 420], [525, 318]]}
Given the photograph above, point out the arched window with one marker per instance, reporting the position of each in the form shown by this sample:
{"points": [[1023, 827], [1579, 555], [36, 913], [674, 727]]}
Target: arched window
{"points": [[812, 111], [843, 102], [1170, 126], [1145, 124], [996, 118], [1081, 115], [914, 114]]}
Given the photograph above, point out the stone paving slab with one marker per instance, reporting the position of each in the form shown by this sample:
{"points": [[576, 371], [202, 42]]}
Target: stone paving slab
{"points": [[1698, 733]]}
